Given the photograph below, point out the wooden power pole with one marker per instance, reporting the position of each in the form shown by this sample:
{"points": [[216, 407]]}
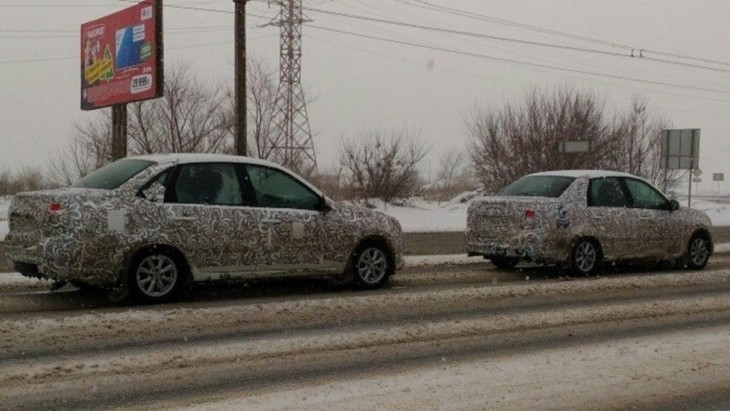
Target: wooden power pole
{"points": [[240, 78]]}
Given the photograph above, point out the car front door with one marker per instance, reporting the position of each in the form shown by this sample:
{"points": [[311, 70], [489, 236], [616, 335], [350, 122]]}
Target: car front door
{"points": [[291, 225], [656, 232]]}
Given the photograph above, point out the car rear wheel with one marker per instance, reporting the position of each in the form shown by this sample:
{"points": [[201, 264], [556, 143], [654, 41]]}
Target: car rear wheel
{"points": [[504, 263], [371, 266], [155, 277], [586, 257], [698, 252]]}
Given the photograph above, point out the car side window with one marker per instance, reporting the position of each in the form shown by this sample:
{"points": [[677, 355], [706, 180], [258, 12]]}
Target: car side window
{"points": [[606, 192], [277, 189], [643, 195], [208, 183]]}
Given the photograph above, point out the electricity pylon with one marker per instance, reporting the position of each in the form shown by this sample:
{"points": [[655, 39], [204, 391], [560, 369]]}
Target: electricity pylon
{"points": [[293, 146]]}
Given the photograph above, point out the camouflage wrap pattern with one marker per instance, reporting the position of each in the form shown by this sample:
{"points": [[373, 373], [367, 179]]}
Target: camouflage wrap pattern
{"points": [[498, 226], [95, 236]]}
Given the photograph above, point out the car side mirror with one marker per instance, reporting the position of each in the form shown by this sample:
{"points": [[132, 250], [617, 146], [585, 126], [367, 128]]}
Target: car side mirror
{"points": [[673, 205], [324, 205]]}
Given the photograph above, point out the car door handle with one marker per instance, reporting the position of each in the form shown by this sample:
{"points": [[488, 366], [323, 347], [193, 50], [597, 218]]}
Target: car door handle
{"points": [[183, 218], [271, 221]]}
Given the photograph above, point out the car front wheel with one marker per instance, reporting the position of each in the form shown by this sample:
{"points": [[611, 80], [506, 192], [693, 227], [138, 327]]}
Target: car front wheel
{"points": [[155, 277], [371, 267], [586, 257], [698, 252]]}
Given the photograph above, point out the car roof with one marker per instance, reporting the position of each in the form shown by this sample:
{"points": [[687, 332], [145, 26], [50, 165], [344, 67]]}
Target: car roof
{"points": [[183, 158], [581, 173]]}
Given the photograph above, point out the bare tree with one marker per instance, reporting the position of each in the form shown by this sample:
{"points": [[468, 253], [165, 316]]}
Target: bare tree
{"points": [[190, 117], [382, 164], [526, 138], [262, 133]]}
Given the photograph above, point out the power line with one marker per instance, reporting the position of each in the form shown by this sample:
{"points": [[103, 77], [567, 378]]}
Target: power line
{"points": [[524, 63], [513, 40], [482, 17]]}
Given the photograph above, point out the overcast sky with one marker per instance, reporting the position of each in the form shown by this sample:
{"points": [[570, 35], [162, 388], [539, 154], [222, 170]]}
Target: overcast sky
{"points": [[359, 82]]}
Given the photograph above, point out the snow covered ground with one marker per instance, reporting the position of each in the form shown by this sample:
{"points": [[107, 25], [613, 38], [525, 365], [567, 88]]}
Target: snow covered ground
{"points": [[428, 216]]}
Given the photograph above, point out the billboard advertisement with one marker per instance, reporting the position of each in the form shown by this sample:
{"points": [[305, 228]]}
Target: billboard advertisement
{"points": [[121, 57]]}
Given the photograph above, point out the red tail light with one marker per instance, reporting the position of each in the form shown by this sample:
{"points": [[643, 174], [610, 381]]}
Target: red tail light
{"points": [[529, 214], [55, 208]]}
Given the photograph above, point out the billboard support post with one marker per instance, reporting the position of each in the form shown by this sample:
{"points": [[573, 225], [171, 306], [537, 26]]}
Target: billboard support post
{"points": [[119, 131]]}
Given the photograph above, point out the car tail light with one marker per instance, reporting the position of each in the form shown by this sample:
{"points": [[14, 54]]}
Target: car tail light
{"points": [[55, 208], [529, 214]]}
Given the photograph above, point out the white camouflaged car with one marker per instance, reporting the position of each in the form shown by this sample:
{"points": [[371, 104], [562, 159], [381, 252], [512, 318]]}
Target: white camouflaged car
{"points": [[583, 218], [157, 223]]}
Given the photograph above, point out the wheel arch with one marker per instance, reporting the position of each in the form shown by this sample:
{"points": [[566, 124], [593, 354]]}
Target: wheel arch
{"points": [[375, 240], [142, 250], [703, 232]]}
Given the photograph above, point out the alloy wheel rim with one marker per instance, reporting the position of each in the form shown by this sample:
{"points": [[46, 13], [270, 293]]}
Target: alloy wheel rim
{"points": [[372, 265], [698, 251], [585, 257], [156, 275]]}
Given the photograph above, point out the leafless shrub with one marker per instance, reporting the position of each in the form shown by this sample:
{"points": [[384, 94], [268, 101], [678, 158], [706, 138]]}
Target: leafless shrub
{"points": [[526, 138], [27, 179], [384, 165]]}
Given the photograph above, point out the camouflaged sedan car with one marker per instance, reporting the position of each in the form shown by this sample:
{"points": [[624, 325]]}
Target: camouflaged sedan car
{"points": [[581, 219], [157, 223]]}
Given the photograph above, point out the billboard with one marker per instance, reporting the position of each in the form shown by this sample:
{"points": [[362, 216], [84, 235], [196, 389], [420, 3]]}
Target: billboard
{"points": [[121, 57]]}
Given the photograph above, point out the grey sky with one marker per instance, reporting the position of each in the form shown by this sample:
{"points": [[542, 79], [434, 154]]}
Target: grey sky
{"points": [[359, 82]]}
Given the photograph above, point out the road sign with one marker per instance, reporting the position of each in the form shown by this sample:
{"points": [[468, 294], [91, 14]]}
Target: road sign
{"points": [[696, 172], [718, 176], [696, 180], [680, 149]]}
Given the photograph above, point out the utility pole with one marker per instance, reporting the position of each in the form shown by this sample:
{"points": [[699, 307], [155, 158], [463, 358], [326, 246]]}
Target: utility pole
{"points": [[241, 113], [119, 131]]}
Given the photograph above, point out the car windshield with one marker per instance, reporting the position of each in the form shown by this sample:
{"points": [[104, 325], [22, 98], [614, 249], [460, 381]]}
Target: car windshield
{"points": [[538, 186], [113, 175]]}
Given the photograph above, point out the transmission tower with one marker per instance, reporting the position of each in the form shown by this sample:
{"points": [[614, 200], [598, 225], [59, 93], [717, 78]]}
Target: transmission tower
{"points": [[293, 146]]}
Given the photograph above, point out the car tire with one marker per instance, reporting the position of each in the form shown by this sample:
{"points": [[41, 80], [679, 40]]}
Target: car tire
{"points": [[504, 263], [371, 266], [698, 252], [155, 276], [585, 259]]}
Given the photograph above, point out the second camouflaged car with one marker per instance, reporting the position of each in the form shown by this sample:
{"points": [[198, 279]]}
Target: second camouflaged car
{"points": [[584, 218], [157, 223]]}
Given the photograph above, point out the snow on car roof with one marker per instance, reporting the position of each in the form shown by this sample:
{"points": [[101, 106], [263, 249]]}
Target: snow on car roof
{"points": [[202, 157], [581, 173]]}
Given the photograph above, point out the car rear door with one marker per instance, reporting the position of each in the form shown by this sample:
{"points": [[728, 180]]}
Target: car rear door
{"points": [[209, 217], [612, 221]]}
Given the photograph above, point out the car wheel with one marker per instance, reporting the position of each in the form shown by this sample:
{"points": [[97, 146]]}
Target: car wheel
{"points": [[504, 263], [586, 257], [371, 267], [698, 252], [155, 277]]}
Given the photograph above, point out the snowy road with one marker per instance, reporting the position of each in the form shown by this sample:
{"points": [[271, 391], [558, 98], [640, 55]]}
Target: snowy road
{"points": [[440, 337]]}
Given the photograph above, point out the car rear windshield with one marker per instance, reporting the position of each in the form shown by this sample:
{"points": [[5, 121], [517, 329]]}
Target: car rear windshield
{"points": [[538, 186], [113, 175]]}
